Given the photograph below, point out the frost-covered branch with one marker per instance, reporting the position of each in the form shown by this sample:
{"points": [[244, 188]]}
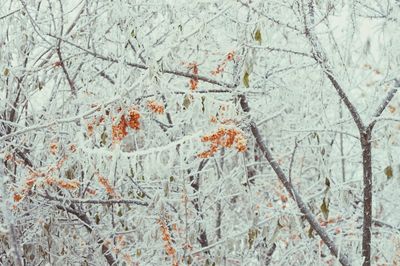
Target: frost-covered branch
{"points": [[385, 103], [97, 201], [290, 189], [88, 225], [144, 67]]}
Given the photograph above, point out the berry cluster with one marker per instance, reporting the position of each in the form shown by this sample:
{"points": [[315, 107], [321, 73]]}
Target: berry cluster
{"points": [[221, 67], [224, 138], [155, 107], [119, 131]]}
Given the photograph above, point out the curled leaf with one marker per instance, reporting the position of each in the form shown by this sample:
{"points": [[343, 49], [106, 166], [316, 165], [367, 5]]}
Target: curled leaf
{"points": [[325, 209], [388, 172], [252, 235]]}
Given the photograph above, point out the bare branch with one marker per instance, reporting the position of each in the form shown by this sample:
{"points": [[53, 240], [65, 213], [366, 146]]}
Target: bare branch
{"points": [[97, 201], [290, 189], [281, 50], [321, 58], [86, 221], [144, 67], [276, 21], [70, 82], [15, 246], [385, 103], [56, 122], [10, 14]]}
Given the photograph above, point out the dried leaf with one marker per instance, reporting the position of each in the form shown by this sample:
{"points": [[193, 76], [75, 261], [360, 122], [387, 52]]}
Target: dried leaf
{"points": [[246, 81], [103, 138], [17, 197], [388, 172], [252, 235], [70, 173], [257, 36], [187, 101], [327, 182], [203, 99], [310, 232], [97, 218], [391, 109], [325, 209]]}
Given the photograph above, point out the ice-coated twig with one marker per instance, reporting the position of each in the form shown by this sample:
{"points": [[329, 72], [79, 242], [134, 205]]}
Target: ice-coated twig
{"points": [[290, 189], [144, 67], [97, 201], [58, 121]]}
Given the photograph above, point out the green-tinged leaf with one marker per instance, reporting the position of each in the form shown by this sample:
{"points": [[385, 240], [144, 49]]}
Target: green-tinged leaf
{"points": [[187, 101], [389, 172], [246, 81], [133, 34], [325, 208], [171, 178], [138, 252], [252, 235], [257, 36], [6, 72]]}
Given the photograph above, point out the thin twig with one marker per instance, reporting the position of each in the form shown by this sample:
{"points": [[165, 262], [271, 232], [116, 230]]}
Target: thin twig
{"points": [[385, 102], [292, 160], [97, 201], [62, 64], [9, 14], [276, 21], [144, 67], [290, 189], [87, 223], [56, 122], [281, 50]]}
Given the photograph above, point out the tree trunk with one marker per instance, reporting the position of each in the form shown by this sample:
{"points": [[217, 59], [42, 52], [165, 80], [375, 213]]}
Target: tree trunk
{"points": [[367, 179]]}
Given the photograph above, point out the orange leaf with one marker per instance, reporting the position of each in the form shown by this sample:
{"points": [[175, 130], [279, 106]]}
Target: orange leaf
{"points": [[155, 107], [30, 182], [17, 197]]}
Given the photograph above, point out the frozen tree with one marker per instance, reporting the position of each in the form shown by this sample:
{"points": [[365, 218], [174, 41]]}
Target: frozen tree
{"points": [[199, 132]]}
